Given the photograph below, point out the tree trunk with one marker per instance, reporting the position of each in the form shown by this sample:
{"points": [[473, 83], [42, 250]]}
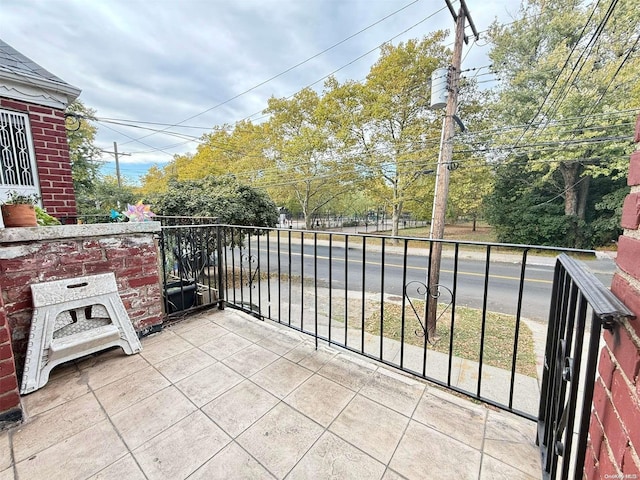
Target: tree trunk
{"points": [[473, 229], [583, 193], [570, 173]]}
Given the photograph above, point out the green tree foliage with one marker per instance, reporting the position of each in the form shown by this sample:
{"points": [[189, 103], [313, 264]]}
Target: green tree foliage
{"points": [[568, 83], [222, 197], [84, 155], [308, 167], [385, 124]]}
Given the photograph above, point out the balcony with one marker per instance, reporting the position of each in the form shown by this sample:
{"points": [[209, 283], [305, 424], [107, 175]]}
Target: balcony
{"points": [[224, 395]]}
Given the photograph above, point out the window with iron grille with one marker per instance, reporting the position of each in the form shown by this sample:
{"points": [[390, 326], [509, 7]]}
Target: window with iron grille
{"points": [[17, 157]]}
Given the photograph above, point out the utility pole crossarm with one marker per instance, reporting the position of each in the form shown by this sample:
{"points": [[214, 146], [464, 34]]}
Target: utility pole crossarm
{"points": [[117, 157]]}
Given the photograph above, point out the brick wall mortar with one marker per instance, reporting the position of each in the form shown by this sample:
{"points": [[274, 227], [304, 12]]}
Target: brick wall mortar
{"points": [[616, 401], [24, 264]]}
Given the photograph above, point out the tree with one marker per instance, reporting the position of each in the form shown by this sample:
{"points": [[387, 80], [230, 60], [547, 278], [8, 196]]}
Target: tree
{"points": [[107, 195], [84, 155], [567, 74], [308, 167], [385, 124], [222, 197]]}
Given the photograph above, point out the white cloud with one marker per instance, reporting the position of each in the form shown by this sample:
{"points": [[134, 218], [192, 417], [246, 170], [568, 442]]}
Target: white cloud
{"points": [[165, 61]]}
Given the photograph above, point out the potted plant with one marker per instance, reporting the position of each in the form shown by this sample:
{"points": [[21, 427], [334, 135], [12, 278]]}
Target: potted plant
{"points": [[18, 210]]}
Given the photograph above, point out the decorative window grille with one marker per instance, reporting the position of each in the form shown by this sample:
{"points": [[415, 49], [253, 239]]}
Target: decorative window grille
{"points": [[17, 157]]}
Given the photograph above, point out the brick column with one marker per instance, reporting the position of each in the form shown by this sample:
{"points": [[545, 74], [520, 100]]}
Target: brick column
{"points": [[10, 410], [614, 435]]}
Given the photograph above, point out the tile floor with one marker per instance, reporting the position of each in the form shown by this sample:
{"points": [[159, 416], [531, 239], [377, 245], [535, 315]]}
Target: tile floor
{"points": [[222, 395]]}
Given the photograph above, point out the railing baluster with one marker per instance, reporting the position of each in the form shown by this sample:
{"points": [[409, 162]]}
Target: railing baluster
{"points": [[301, 281], [289, 277], [346, 289], [330, 284], [404, 302], [516, 334], [382, 267], [268, 242], [279, 278], [484, 318], [364, 276], [315, 286], [453, 311]]}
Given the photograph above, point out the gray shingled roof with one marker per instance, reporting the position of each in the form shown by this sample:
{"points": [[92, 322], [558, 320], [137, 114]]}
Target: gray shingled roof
{"points": [[14, 62]]}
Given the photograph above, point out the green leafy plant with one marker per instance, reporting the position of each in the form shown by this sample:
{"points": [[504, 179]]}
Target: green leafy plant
{"points": [[44, 219], [16, 198]]}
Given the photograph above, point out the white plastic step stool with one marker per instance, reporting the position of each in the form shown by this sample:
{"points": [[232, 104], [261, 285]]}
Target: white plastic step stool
{"points": [[72, 318]]}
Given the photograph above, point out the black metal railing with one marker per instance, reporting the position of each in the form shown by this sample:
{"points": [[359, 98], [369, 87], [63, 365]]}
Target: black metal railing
{"points": [[190, 256], [580, 306], [369, 294]]}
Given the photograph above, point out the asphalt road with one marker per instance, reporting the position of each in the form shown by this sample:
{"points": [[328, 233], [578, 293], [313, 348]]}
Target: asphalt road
{"points": [[342, 269]]}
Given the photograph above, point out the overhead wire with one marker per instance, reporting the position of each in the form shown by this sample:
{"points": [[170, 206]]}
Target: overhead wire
{"points": [[264, 82]]}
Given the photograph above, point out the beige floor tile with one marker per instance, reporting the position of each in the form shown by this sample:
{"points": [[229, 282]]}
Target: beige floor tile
{"points": [[281, 377], [279, 343], [371, 427], [424, 454], [185, 364], [301, 351], [130, 390], [55, 425], [146, 419], [77, 457], [493, 469], [181, 449], [394, 391], [105, 369], [232, 463], [331, 457], [391, 475], [124, 469], [5, 451], [465, 423], [203, 334], [317, 359], [225, 346], [237, 409], [56, 392], [512, 440], [250, 360], [7, 474], [189, 323], [320, 399], [280, 439], [351, 374], [167, 348], [208, 383]]}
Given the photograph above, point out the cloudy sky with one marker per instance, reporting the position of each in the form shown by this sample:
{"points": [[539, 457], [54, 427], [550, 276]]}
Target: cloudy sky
{"points": [[200, 63]]}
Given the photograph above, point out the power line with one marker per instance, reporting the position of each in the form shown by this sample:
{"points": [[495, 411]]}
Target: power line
{"points": [[290, 68], [555, 82]]}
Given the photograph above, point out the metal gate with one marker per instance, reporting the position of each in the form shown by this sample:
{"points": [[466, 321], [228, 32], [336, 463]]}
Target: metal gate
{"points": [[580, 307]]}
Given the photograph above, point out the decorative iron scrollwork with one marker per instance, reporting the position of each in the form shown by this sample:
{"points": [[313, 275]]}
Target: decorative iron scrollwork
{"points": [[250, 262], [429, 294]]}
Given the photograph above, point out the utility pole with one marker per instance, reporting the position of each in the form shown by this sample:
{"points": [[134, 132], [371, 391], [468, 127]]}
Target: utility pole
{"points": [[444, 164], [117, 157]]}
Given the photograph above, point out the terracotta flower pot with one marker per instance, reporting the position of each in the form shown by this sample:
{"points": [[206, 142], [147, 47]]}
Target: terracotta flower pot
{"points": [[19, 215]]}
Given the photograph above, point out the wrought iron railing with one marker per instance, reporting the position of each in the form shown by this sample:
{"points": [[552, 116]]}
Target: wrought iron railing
{"points": [[369, 294], [580, 307]]}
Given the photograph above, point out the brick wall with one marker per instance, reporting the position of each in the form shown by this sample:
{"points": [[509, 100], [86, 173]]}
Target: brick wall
{"points": [[9, 398], [614, 433], [52, 156], [127, 249]]}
